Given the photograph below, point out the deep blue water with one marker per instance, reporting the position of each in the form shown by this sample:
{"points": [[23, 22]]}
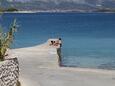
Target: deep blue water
{"points": [[88, 38]]}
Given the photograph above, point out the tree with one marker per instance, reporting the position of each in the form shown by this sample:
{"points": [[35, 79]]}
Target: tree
{"points": [[6, 39], [11, 9]]}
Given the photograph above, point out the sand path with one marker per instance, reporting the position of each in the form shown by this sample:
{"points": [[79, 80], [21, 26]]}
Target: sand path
{"points": [[39, 67]]}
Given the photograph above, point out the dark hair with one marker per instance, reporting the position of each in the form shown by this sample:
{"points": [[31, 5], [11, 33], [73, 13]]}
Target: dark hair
{"points": [[52, 42], [59, 38]]}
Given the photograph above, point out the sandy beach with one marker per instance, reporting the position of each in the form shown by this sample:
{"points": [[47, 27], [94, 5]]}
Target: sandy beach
{"points": [[39, 67]]}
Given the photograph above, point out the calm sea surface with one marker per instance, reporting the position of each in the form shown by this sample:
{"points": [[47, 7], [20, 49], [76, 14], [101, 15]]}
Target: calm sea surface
{"points": [[88, 38]]}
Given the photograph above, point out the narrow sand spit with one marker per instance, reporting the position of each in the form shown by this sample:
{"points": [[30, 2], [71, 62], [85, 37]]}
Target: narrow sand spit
{"points": [[39, 67]]}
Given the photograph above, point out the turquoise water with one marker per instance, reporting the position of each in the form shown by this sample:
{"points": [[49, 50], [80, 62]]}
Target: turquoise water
{"points": [[88, 38]]}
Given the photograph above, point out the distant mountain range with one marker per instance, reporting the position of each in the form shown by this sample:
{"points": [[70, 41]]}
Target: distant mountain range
{"points": [[61, 5]]}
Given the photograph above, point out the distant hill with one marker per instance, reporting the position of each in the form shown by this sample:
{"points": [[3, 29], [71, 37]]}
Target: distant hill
{"points": [[61, 5]]}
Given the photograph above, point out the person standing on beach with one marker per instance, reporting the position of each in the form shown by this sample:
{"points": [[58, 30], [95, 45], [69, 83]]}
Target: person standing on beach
{"points": [[59, 51], [60, 42]]}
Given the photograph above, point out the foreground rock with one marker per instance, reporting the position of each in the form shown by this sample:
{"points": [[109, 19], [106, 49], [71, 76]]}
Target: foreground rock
{"points": [[9, 72]]}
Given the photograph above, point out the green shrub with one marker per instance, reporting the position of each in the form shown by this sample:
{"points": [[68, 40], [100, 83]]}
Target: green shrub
{"points": [[6, 40], [11, 9]]}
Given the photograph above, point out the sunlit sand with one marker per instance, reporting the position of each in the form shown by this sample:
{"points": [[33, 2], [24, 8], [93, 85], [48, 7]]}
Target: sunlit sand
{"points": [[39, 67]]}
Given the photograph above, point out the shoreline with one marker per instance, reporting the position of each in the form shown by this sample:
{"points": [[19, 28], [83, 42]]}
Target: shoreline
{"points": [[93, 70], [67, 67], [63, 67], [40, 63], [28, 12]]}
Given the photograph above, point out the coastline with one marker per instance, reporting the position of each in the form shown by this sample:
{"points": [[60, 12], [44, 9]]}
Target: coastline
{"points": [[55, 12], [40, 63]]}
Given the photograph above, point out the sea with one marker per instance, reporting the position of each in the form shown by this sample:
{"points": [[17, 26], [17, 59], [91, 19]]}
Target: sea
{"points": [[88, 38]]}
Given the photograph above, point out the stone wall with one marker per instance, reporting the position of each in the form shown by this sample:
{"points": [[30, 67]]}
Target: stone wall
{"points": [[9, 72]]}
